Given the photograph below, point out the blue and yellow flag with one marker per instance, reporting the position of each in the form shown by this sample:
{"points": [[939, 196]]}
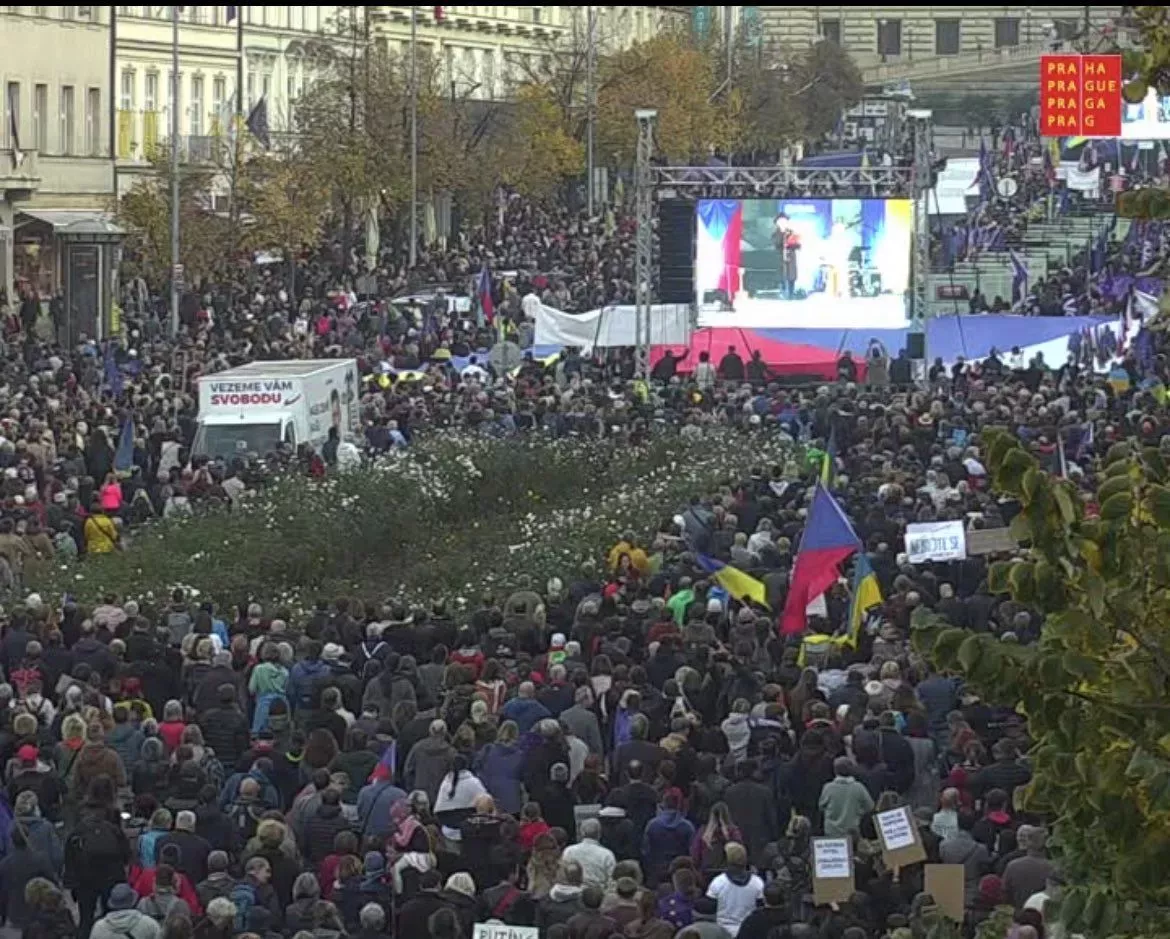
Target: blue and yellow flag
{"points": [[866, 595], [829, 463], [740, 585]]}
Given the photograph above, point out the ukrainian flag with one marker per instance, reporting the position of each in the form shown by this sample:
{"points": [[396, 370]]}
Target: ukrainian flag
{"points": [[866, 595], [829, 463], [740, 585]]}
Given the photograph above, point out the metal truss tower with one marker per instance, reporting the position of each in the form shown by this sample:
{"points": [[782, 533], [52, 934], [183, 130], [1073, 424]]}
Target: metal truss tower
{"points": [[643, 239]]}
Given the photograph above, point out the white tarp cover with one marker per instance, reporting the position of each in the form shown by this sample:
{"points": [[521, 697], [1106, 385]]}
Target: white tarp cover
{"points": [[612, 327]]}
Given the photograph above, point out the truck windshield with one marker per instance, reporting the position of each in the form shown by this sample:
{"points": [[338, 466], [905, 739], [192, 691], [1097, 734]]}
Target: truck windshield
{"points": [[232, 440]]}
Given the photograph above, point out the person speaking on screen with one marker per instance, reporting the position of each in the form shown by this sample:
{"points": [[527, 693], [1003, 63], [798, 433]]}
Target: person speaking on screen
{"points": [[787, 244]]}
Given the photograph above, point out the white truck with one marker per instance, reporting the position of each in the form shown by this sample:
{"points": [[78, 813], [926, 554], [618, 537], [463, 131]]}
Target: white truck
{"points": [[255, 408]]}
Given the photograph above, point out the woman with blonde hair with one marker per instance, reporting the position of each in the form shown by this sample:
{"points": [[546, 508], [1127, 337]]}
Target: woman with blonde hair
{"points": [[66, 752], [543, 866]]}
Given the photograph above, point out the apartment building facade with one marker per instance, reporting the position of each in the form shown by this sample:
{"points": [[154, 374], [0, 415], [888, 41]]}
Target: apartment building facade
{"points": [[56, 176]]}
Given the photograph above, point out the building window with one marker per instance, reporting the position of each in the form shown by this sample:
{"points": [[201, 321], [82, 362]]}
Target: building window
{"points": [[889, 37], [946, 37], [151, 102], [1007, 31], [489, 74], [41, 117], [536, 12], [218, 94], [267, 84], [1067, 29], [251, 88], [68, 127], [831, 31], [93, 122], [197, 106], [127, 100], [12, 103]]}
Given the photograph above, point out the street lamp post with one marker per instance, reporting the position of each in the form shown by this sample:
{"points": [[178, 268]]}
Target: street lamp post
{"points": [[176, 267], [413, 136]]}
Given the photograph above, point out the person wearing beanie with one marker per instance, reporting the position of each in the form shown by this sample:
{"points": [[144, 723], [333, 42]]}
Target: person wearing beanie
{"points": [[123, 920], [40, 832], [31, 774]]}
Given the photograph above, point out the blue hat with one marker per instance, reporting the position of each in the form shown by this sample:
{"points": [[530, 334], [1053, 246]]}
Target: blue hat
{"points": [[122, 897]]}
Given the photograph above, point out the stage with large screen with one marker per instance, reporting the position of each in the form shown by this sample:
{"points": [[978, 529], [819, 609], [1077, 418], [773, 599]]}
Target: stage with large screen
{"points": [[804, 262]]}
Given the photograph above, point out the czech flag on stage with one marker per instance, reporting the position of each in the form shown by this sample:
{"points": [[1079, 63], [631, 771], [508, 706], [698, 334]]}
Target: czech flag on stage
{"points": [[384, 771], [828, 540], [740, 585]]}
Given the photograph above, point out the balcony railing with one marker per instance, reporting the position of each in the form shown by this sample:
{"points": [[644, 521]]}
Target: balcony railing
{"points": [[140, 139], [19, 174]]}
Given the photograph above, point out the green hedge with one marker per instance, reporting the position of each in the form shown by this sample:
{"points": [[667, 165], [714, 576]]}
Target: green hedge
{"points": [[452, 517]]}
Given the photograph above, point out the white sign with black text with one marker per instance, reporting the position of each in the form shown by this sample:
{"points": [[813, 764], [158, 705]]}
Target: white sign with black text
{"points": [[936, 541]]}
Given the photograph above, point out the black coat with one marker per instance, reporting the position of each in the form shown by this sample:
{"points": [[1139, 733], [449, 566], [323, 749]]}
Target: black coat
{"points": [[414, 913], [193, 852], [226, 731], [754, 813], [464, 907], [320, 830]]}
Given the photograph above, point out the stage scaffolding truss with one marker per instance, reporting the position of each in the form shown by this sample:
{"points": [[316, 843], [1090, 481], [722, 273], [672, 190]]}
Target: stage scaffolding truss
{"points": [[653, 183]]}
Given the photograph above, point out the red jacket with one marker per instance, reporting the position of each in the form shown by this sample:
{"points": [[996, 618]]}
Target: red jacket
{"points": [[142, 880]]}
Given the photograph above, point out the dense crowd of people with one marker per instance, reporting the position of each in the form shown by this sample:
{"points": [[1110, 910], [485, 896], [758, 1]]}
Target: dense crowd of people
{"points": [[627, 750]]}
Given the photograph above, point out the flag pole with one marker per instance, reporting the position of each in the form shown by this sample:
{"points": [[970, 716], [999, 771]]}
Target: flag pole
{"points": [[590, 117], [174, 171], [413, 135]]}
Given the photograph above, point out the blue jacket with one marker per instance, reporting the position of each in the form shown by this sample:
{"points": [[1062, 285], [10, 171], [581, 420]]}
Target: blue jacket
{"points": [[269, 794], [668, 836], [300, 681], [500, 767], [526, 712], [373, 807], [42, 838], [126, 740]]}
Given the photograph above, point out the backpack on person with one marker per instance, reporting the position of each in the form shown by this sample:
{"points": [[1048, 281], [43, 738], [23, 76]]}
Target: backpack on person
{"points": [[243, 820], [243, 896], [96, 838]]}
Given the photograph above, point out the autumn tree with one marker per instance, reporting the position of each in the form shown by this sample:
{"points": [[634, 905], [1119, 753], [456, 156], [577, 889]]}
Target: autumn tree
{"points": [[289, 207], [1096, 686], [145, 213], [676, 78], [536, 153]]}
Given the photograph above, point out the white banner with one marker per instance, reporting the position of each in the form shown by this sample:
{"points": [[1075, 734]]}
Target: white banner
{"points": [[1086, 181], [957, 181], [935, 541], [613, 326], [1145, 305]]}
